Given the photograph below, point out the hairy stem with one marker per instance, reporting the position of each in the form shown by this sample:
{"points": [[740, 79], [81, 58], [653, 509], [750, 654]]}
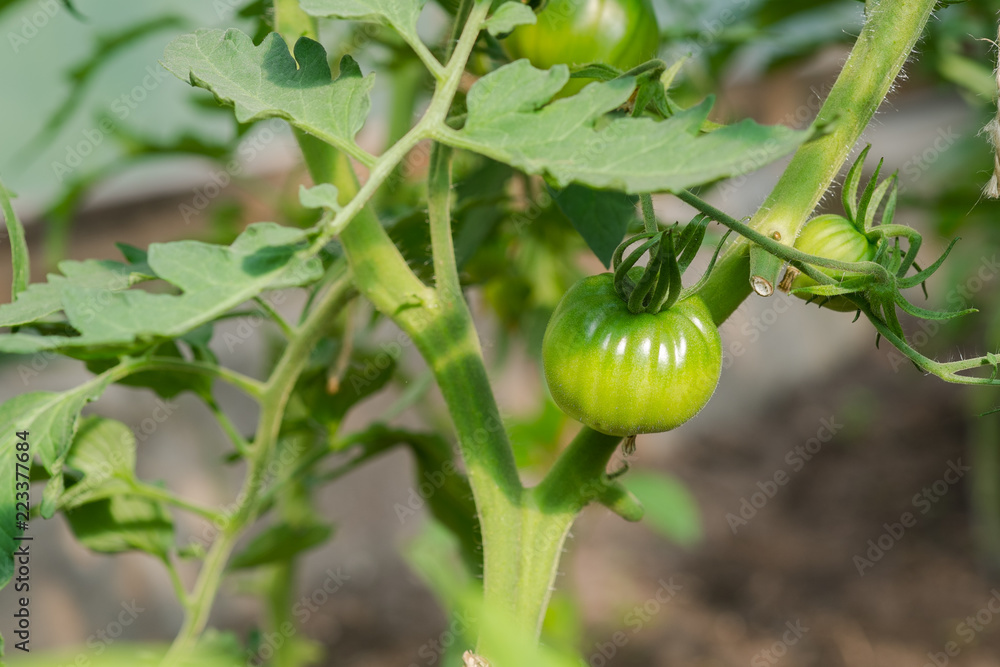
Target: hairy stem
{"points": [[889, 35], [439, 210], [277, 390]]}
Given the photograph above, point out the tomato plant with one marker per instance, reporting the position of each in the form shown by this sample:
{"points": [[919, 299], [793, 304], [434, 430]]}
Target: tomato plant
{"points": [[833, 237], [492, 183], [620, 33], [624, 373]]}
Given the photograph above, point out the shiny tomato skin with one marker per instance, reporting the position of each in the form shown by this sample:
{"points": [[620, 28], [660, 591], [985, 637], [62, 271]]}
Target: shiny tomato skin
{"points": [[623, 33], [623, 373], [833, 237]]}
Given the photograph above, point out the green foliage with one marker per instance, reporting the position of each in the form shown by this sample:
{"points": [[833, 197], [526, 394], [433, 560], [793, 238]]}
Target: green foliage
{"points": [[212, 280], [533, 180], [566, 142], [266, 81], [401, 15], [18, 246], [601, 216], [280, 543], [508, 16], [670, 509]]}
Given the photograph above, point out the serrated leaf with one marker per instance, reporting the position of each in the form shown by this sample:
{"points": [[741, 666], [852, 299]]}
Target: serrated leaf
{"points": [[213, 279], [123, 523], [601, 216], [279, 543], [670, 509], [43, 299], [50, 420], [324, 195], [508, 16], [508, 121], [402, 15], [18, 245], [267, 82]]}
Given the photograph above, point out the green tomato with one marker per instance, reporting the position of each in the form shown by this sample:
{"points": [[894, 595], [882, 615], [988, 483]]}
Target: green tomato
{"points": [[832, 237], [623, 373], [622, 33]]}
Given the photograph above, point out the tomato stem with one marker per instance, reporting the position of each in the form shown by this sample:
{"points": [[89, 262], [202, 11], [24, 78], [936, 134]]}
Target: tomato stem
{"points": [[648, 213], [890, 32]]}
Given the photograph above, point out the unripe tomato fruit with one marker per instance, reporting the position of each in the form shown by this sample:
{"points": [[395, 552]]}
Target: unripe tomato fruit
{"points": [[832, 237], [623, 373], [622, 33]]}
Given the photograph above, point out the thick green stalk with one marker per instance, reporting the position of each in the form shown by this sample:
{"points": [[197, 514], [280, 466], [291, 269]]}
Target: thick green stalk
{"points": [[886, 40], [577, 478], [441, 327], [277, 390], [292, 23]]}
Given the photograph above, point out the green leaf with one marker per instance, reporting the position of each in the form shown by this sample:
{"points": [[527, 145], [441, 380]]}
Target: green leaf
{"points": [[280, 543], [103, 448], [570, 141], [50, 420], [670, 509], [123, 523], [18, 245], [104, 451], [601, 216], [508, 16], [400, 14], [213, 279], [43, 299], [267, 82], [324, 195], [328, 402], [535, 438]]}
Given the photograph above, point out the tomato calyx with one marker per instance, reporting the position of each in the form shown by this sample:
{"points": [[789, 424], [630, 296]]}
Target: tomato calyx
{"points": [[657, 286], [871, 281]]}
